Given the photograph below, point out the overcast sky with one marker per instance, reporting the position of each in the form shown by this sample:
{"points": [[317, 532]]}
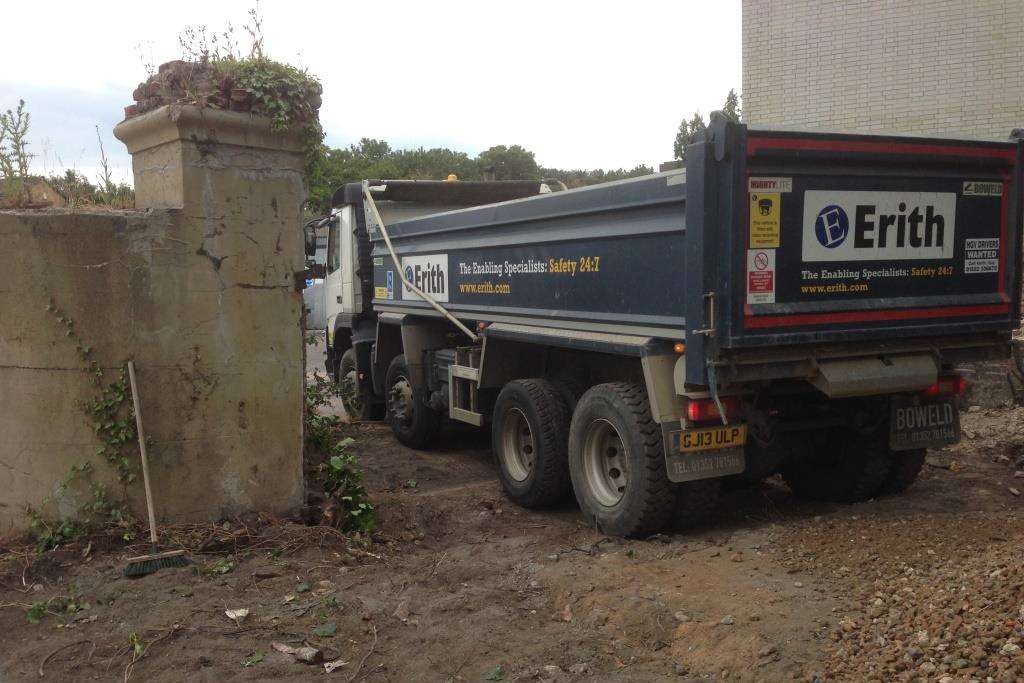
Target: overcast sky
{"points": [[581, 84]]}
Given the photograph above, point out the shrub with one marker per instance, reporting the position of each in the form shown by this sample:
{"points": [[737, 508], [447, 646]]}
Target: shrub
{"points": [[338, 474]]}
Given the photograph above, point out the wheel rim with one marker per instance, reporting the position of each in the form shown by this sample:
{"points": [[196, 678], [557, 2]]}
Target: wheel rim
{"points": [[518, 449], [350, 387], [400, 400], [604, 463]]}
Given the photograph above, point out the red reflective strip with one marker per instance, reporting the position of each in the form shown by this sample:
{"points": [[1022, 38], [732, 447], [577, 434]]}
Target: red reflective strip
{"points": [[754, 144], [864, 316]]}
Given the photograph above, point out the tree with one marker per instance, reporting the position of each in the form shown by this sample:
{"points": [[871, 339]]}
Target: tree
{"points": [[509, 163], [375, 159], [434, 164], [731, 108], [688, 133], [371, 149], [332, 168], [581, 177]]}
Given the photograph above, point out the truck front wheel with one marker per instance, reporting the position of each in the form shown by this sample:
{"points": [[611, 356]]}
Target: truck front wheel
{"points": [[528, 434], [356, 403], [348, 380], [617, 463], [413, 422]]}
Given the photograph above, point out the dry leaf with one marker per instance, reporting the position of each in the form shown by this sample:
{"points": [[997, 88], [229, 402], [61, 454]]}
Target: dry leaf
{"points": [[237, 615], [402, 611], [336, 664], [304, 654]]}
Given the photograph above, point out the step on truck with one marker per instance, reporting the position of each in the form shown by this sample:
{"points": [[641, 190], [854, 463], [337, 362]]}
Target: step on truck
{"points": [[792, 303]]}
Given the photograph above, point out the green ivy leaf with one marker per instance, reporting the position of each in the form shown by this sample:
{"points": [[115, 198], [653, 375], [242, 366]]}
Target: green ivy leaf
{"points": [[495, 673], [326, 630]]}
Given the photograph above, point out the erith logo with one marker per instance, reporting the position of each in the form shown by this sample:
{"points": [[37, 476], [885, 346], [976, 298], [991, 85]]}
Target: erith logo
{"points": [[429, 274], [832, 226], [869, 226]]}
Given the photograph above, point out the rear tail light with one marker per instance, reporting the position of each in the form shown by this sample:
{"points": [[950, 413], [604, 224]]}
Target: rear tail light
{"points": [[948, 385], [705, 409]]}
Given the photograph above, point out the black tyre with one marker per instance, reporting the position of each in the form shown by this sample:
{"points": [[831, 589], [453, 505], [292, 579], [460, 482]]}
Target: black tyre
{"points": [[572, 388], [413, 422], [332, 363], [529, 435], [852, 467], [617, 463], [696, 502], [348, 381], [904, 466], [355, 402]]}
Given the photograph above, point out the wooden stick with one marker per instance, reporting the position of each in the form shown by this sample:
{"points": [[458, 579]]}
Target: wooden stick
{"points": [[142, 452], [155, 556]]}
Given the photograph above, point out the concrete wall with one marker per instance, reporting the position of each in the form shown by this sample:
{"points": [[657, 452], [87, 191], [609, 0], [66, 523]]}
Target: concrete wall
{"points": [[944, 67], [200, 292]]}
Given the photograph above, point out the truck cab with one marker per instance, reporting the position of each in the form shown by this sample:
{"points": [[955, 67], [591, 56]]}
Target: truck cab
{"points": [[347, 287]]}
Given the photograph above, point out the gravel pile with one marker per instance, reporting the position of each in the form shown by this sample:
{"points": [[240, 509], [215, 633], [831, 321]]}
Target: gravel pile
{"points": [[961, 620], [933, 594]]}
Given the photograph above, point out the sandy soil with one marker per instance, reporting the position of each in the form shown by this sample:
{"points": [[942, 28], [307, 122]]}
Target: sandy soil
{"points": [[460, 585]]}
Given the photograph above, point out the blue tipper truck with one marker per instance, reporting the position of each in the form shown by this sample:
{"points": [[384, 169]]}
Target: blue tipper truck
{"points": [[792, 303]]}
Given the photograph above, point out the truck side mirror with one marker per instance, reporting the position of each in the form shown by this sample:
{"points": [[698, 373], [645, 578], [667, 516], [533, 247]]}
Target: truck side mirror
{"points": [[315, 270], [309, 236]]}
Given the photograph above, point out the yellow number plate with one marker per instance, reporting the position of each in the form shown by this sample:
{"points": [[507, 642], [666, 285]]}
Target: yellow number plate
{"points": [[711, 438]]}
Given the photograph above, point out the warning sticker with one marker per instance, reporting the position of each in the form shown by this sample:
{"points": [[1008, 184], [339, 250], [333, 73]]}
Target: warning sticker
{"points": [[764, 219], [981, 255], [982, 188], [761, 276]]}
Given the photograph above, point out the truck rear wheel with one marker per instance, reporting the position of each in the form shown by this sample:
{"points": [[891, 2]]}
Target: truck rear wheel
{"points": [[696, 501], [904, 466], [852, 467], [572, 388], [413, 422], [617, 463], [528, 435]]}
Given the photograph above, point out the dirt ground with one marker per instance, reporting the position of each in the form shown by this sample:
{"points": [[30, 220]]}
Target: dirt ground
{"points": [[460, 585]]}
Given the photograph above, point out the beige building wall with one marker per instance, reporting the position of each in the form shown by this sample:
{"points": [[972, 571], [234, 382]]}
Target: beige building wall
{"points": [[934, 67]]}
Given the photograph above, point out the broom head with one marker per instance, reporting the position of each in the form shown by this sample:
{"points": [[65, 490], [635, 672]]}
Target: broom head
{"points": [[147, 564]]}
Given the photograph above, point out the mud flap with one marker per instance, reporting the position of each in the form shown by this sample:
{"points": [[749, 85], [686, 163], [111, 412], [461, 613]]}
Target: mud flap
{"points": [[914, 424]]}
